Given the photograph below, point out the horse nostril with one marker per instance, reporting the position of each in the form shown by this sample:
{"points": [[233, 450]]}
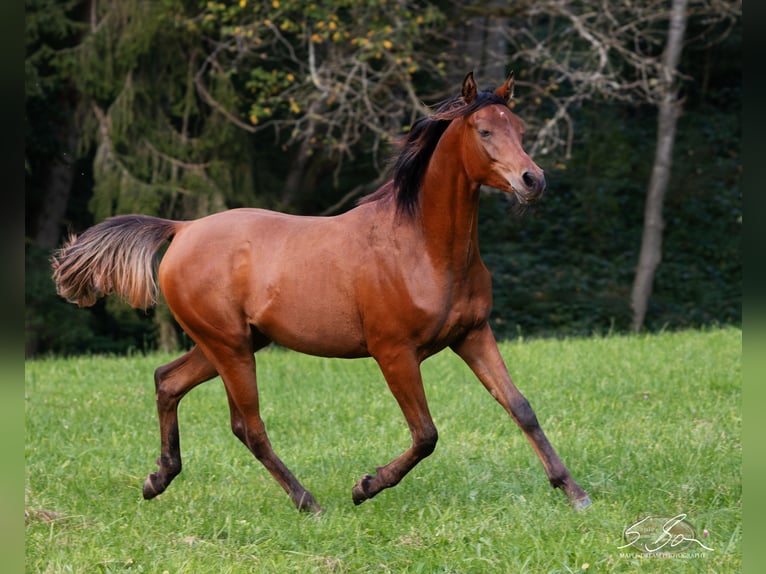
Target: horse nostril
{"points": [[532, 183]]}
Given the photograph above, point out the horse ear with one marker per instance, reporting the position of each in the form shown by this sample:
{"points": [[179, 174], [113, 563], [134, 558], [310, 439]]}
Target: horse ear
{"points": [[506, 90], [469, 88]]}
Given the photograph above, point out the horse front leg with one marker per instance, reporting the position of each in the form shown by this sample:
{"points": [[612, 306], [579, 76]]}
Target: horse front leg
{"points": [[402, 374], [479, 350], [172, 382]]}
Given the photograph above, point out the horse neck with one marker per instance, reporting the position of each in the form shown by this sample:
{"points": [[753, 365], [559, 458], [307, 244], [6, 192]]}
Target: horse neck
{"points": [[449, 204]]}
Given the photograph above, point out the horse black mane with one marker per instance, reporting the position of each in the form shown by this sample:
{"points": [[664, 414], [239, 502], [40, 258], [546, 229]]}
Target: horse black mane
{"points": [[418, 147]]}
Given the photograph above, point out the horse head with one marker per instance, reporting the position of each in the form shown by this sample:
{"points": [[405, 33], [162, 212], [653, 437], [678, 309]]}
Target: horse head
{"points": [[493, 152]]}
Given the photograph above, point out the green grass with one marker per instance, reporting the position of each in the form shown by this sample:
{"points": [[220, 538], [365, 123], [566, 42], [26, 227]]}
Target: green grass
{"points": [[646, 424]]}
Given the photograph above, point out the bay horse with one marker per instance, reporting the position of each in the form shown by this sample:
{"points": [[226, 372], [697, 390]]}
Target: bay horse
{"points": [[399, 278]]}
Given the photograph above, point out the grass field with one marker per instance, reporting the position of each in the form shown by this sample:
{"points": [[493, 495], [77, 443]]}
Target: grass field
{"points": [[648, 425]]}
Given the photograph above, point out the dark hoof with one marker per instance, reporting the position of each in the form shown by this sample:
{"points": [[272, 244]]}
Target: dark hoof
{"points": [[307, 503], [150, 489], [361, 492], [581, 503]]}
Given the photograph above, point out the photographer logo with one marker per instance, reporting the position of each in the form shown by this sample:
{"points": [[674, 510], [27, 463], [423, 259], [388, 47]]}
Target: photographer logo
{"points": [[663, 536]]}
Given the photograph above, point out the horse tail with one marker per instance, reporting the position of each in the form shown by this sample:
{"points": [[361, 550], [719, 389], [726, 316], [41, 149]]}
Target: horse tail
{"points": [[119, 255]]}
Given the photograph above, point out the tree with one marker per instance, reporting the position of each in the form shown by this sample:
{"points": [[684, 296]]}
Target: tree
{"points": [[171, 99], [157, 151], [179, 108], [335, 79], [581, 50], [669, 109], [52, 135], [176, 96], [153, 149]]}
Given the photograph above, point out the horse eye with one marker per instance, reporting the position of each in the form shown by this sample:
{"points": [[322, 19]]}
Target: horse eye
{"points": [[484, 133]]}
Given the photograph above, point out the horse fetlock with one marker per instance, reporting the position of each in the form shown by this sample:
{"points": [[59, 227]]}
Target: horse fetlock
{"points": [[170, 467], [561, 480]]}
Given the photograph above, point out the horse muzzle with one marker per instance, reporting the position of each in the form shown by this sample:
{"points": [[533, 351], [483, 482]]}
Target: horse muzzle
{"points": [[529, 187]]}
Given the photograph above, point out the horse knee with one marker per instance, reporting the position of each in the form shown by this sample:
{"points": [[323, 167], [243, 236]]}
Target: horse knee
{"points": [[524, 415], [171, 465]]}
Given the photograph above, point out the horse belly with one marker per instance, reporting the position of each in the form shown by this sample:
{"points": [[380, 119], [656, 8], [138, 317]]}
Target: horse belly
{"points": [[310, 313], [313, 333]]}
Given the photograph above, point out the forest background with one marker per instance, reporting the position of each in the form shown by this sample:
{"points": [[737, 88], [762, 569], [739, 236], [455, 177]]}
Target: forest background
{"points": [[183, 108]]}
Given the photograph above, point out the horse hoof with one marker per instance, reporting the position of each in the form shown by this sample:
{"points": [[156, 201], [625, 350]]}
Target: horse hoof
{"points": [[307, 503], [360, 493], [312, 508], [581, 503], [150, 490]]}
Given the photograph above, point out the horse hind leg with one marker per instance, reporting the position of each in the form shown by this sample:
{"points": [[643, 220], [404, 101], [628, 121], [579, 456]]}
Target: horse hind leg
{"points": [[253, 435], [237, 369], [172, 382]]}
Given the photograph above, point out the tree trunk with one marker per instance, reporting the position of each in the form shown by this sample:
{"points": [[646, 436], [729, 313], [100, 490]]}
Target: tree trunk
{"points": [[669, 111], [57, 189], [298, 177], [167, 338], [485, 43]]}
